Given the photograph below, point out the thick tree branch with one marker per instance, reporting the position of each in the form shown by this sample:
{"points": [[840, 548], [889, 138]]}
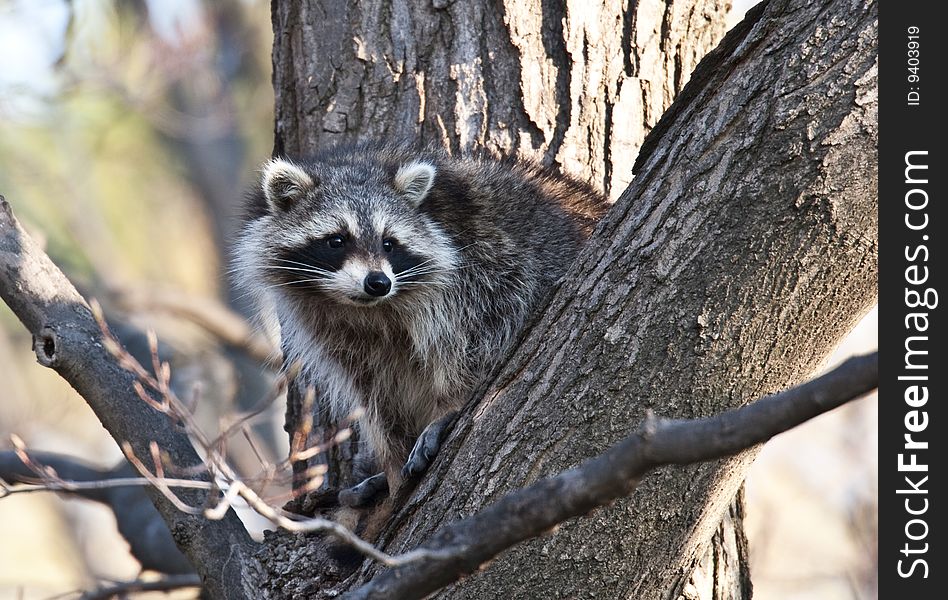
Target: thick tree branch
{"points": [[67, 339], [742, 253], [534, 510]]}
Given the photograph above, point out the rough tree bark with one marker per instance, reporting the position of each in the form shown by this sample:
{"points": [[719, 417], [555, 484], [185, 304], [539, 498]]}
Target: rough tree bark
{"points": [[568, 83], [576, 83], [741, 254]]}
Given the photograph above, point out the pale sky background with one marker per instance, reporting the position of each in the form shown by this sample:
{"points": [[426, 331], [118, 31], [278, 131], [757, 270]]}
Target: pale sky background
{"points": [[31, 41]]}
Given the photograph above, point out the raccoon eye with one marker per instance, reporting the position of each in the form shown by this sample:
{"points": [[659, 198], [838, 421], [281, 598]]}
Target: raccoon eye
{"points": [[388, 245], [336, 241]]}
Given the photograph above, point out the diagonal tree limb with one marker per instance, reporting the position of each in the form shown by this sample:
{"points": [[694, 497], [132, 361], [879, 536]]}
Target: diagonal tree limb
{"points": [[535, 510], [67, 339]]}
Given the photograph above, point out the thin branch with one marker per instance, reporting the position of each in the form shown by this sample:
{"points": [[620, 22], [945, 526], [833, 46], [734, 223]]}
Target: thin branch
{"points": [[117, 488], [37, 475], [38, 485], [46, 483], [157, 480], [284, 521], [121, 589], [240, 421], [536, 509]]}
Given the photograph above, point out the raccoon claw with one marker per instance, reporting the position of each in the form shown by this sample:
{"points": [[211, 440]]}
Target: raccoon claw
{"points": [[427, 446], [366, 493]]}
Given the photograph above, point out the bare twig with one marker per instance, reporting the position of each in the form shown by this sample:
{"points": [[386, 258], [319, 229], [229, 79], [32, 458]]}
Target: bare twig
{"points": [[65, 485], [47, 479], [536, 509], [165, 584], [287, 522]]}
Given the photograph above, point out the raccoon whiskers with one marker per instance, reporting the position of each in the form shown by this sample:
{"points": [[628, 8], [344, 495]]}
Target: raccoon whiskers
{"points": [[424, 267], [409, 275], [419, 269], [302, 265], [295, 282], [312, 271], [423, 283]]}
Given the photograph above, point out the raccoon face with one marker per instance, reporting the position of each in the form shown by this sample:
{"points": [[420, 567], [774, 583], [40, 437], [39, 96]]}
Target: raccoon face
{"points": [[352, 234]]}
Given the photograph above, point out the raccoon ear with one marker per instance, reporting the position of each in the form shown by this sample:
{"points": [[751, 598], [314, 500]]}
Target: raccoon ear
{"points": [[414, 181], [284, 183]]}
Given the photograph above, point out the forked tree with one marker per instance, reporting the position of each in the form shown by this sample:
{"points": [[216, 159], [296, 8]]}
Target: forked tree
{"points": [[741, 248]]}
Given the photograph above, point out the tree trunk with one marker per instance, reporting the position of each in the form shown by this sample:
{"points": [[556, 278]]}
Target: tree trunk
{"points": [[742, 253], [575, 83]]}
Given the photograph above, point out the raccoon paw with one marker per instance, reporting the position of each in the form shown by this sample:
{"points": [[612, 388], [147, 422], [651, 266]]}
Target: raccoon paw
{"points": [[366, 493], [427, 446]]}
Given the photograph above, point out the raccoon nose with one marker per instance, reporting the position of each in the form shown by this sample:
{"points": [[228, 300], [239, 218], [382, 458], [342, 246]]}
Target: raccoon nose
{"points": [[377, 284]]}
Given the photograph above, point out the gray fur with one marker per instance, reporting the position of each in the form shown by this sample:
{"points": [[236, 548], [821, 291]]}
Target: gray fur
{"points": [[494, 236]]}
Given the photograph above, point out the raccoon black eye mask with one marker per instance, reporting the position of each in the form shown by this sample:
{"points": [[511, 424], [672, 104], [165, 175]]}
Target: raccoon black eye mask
{"points": [[400, 276]]}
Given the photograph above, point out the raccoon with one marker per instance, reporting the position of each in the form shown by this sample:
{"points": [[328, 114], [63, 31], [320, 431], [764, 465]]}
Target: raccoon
{"points": [[401, 276]]}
